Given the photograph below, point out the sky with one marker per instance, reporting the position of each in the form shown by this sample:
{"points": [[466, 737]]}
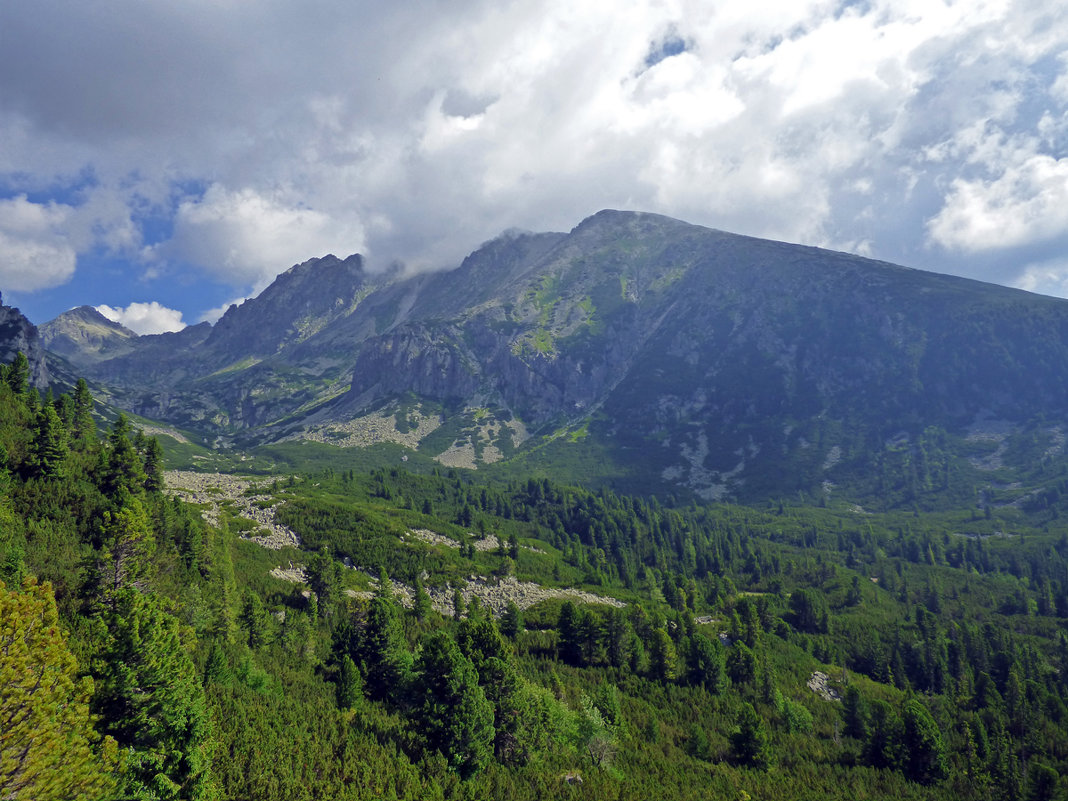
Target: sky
{"points": [[161, 160]]}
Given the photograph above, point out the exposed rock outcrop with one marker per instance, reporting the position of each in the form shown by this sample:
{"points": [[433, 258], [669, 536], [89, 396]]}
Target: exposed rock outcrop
{"points": [[18, 334]]}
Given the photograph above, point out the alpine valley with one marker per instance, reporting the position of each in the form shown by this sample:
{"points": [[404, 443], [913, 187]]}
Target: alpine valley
{"points": [[642, 510]]}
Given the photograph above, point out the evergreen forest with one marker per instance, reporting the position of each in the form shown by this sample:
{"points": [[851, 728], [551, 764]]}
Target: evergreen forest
{"points": [[150, 649]]}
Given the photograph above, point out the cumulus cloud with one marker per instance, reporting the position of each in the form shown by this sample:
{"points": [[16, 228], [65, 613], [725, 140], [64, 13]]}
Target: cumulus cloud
{"points": [[33, 250], [1027, 203], [244, 238], [1049, 277], [144, 318]]}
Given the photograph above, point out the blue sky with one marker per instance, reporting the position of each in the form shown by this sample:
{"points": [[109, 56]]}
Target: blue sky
{"points": [[162, 160]]}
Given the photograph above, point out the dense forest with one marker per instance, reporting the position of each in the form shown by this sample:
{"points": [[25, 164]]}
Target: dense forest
{"points": [[736, 652]]}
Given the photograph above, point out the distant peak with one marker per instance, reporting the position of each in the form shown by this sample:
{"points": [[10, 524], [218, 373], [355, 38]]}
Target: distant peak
{"points": [[615, 219]]}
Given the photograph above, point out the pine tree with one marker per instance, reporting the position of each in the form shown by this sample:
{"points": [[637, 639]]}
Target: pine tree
{"points": [[453, 710], [855, 713], [511, 621], [49, 451], [421, 604], [324, 578], [18, 375], [704, 664], [46, 734], [254, 620], [124, 473], [663, 659], [153, 462], [384, 651], [129, 546], [152, 701], [217, 668], [749, 742], [569, 634], [84, 427], [925, 753], [349, 685]]}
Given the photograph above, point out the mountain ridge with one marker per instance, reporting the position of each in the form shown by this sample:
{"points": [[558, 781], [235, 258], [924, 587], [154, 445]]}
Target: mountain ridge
{"points": [[700, 359]]}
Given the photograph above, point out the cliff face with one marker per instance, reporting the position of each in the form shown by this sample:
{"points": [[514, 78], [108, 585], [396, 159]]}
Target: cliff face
{"points": [[19, 334]]}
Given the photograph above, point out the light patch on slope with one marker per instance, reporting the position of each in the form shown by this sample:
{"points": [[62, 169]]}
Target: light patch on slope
{"points": [[834, 456], [709, 485], [373, 428]]}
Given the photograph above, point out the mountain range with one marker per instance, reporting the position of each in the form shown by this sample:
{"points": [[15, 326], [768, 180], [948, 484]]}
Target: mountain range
{"points": [[672, 357]]}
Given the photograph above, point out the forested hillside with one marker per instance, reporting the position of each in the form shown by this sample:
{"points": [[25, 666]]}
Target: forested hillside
{"points": [[737, 652]]}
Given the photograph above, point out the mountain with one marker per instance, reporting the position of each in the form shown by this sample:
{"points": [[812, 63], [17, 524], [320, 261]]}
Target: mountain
{"points": [[84, 335], [671, 356], [18, 334]]}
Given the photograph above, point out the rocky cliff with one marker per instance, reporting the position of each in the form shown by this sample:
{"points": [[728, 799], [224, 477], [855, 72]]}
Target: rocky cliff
{"points": [[19, 334]]}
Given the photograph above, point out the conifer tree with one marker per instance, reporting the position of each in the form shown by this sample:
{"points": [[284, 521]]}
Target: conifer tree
{"points": [[569, 634], [511, 621], [124, 474], [663, 658], [254, 620], [18, 375], [48, 748], [84, 427], [453, 710], [49, 444], [704, 664], [349, 685], [749, 742], [152, 700], [217, 668], [153, 463], [925, 753], [129, 545], [421, 604], [384, 652]]}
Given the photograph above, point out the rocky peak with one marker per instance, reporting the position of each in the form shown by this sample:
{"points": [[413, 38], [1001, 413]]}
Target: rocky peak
{"points": [[19, 334], [83, 335], [297, 304]]}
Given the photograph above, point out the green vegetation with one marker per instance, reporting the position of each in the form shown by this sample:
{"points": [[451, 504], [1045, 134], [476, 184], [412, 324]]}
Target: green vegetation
{"points": [[173, 665]]}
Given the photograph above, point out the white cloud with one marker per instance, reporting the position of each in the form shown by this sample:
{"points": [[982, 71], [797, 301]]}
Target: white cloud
{"points": [[1027, 203], [144, 318], [34, 254], [430, 128], [1046, 278], [245, 238], [212, 315]]}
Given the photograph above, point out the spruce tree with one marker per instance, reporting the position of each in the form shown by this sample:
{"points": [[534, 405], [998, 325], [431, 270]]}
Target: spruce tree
{"points": [[152, 701], [452, 709], [925, 753], [749, 742], [349, 685]]}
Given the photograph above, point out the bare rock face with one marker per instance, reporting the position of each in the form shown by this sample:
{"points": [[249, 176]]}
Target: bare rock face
{"points": [[19, 334]]}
